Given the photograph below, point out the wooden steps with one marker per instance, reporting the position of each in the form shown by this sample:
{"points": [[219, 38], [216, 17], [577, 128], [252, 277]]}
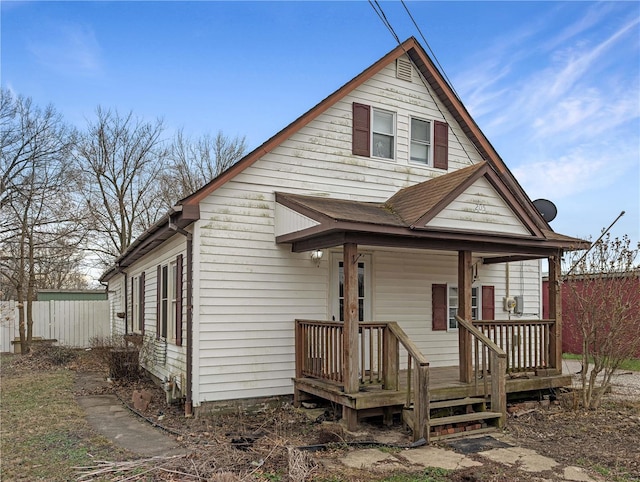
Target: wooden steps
{"points": [[456, 403], [474, 418]]}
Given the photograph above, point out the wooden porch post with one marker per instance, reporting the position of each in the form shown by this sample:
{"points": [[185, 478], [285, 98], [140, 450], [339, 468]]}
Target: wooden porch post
{"points": [[465, 281], [555, 312], [351, 328]]}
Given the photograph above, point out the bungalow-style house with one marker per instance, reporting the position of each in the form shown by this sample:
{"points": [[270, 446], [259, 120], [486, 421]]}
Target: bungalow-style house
{"points": [[376, 253]]}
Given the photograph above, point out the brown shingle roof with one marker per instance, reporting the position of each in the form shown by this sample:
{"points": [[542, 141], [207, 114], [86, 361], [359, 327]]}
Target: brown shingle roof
{"points": [[412, 203], [345, 210]]}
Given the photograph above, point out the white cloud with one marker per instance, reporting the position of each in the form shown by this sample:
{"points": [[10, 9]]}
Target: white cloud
{"points": [[520, 92], [584, 168], [70, 49]]}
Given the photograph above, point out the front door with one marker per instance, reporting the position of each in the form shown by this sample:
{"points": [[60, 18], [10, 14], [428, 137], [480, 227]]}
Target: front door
{"points": [[364, 287]]}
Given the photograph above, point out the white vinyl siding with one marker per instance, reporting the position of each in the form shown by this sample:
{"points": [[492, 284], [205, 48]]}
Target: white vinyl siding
{"points": [[250, 290], [173, 359], [480, 208]]}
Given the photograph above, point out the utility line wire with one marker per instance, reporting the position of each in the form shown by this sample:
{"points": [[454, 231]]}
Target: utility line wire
{"points": [[378, 9], [435, 58], [380, 12]]}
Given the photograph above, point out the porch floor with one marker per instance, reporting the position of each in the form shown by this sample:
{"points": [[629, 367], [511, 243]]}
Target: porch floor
{"points": [[444, 384]]}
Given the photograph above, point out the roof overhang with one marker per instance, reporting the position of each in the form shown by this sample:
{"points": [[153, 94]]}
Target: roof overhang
{"points": [[338, 221], [178, 218]]}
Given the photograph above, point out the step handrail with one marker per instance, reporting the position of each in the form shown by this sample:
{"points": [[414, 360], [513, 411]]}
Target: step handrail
{"points": [[497, 365], [420, 378], [481, 336]]}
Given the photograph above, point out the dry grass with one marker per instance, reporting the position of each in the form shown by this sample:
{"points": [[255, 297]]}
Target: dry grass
{"points": [[44, 432]]}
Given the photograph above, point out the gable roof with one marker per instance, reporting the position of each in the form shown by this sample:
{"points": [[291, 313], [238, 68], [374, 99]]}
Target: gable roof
{"points": [[427, 69], [165, 227], [420, 203]]}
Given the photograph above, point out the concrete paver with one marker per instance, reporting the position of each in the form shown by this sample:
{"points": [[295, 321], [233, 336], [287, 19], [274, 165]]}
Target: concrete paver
{"points": [[528, 460], [371, 459], [428, 456], [108, 416], [576, 474]]}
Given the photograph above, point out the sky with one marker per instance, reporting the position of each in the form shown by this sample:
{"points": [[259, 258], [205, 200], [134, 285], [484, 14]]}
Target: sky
{"points": [[555, 86]]}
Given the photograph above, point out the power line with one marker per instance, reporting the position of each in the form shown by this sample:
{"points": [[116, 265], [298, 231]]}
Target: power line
{"points": [[433, 55], [378, 9], [380, 12]]}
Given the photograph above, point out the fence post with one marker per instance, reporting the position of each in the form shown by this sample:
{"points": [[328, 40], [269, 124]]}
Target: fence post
{"points": [[498, 386], [421, 402], [391, 359]]}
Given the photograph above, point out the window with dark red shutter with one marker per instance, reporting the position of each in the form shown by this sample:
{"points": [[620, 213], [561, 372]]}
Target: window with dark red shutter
{"points": [[158, 300], [438, 307], [488, 303], [179, 300], [440, 145], [141, 305], [361, 130]]}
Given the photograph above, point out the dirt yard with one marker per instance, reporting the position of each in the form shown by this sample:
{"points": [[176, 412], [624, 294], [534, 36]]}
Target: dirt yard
{"points": [[277, 442]]}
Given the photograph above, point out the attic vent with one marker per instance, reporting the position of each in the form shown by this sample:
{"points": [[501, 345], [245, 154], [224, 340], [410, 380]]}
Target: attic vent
{"points": [[403, 69]]}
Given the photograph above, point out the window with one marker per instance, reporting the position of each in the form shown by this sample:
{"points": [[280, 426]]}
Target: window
{"points": [[373, 132], [383, 134], [337, 287], [169, 309], [140, 325], [135, 304], [361, 290], [453, 305], [420, 140], [444, 304], [164, 301]]}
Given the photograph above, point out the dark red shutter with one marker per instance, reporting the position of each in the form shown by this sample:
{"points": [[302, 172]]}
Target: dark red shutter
{"points": [[179, 300], [441, 145], [361, 129], [158, 301], [488, 303], [133, 289], [438, 307], [141, 303]]}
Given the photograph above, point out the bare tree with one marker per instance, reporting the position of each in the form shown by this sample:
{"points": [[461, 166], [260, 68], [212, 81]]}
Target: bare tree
{"points": [[602, 306], [120, 159], [194, 162], [37, 207]]}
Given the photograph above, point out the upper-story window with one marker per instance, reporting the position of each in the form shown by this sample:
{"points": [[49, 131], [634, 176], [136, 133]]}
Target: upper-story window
{"points": [[420, 141], [374, 135], [382, 134]]}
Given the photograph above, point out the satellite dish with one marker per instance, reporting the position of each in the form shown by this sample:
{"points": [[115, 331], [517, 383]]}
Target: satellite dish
{"points": [[546, 208]]}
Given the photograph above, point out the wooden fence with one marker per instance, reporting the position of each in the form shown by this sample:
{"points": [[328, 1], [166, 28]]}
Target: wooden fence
{"points": [[72, 323]]}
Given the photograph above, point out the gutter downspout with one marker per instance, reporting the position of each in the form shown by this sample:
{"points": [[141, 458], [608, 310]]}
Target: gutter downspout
{"points": [[188, 404]]}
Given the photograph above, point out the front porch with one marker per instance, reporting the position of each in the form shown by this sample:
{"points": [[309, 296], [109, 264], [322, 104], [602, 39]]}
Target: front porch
{"points": [[394, 377], [475, 214]]}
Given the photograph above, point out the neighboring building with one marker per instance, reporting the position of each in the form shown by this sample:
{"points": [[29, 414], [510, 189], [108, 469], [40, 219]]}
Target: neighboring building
{"points": [[391, 173], [628, 285], [71, 295]]}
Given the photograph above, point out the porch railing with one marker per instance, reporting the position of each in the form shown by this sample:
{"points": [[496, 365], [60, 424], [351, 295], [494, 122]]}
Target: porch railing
{"points": [[319, 354], [489, 367], [525, 342]]}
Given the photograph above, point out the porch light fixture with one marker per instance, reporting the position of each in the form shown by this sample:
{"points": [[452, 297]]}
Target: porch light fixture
{"points": [[316, 256]]}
